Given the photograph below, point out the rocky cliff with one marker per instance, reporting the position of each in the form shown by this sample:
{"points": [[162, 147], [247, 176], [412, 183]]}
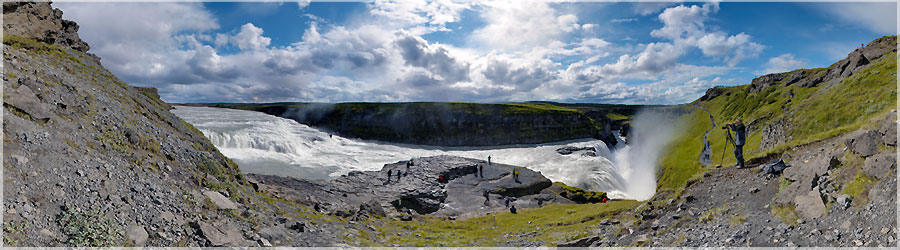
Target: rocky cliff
{"points": [[91, 161], [443, 124]]}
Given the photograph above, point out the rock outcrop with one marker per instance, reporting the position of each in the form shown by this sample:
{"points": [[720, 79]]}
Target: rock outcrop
{"points": [[857, 60], [40, 22], [438, 185]]}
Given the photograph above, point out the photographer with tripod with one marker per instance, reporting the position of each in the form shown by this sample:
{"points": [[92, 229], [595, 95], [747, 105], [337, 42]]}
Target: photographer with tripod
{"points": [[740, 135]]}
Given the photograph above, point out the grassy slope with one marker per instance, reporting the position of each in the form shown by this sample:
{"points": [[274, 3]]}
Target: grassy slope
{"points": [[818, 113], [552, 223]]}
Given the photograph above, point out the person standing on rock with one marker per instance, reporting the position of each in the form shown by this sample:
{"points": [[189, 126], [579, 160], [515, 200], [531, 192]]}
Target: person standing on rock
{"points": [[740, 135], [516, 174], [481, 170], [389, 175], [489, 160]]}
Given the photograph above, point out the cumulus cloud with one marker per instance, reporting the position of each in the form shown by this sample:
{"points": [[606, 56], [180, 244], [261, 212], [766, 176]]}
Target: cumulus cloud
{"points": [[251, 38], [142, 45], [783, 63], [516, 26]]}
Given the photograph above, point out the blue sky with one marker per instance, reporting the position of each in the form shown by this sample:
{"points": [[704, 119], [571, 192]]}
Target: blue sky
{"points": [[606, 52]]}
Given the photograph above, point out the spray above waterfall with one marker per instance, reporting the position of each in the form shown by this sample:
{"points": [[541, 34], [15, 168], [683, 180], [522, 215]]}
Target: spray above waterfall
{"points": [[266, 144]]}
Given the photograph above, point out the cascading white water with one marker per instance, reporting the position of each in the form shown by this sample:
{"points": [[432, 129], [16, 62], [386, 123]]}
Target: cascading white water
{"points": [[266, 144]]}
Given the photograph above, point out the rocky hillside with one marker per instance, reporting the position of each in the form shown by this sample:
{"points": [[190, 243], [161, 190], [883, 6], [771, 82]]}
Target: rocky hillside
{"points": [[835, 126], [444, 124], [91, 161]]}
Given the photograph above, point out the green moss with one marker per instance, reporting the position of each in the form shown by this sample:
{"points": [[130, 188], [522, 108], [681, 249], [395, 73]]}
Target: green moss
{"points": [[858, 189], [19, 42], [12, 232], [713, 213], [89, 229], [786, 213], [735, 220], [579, 195], [11, 75], [113, 139], [616, 116]]}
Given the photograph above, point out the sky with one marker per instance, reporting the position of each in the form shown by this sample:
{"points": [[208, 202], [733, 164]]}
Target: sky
{"points": [[498, 51]]}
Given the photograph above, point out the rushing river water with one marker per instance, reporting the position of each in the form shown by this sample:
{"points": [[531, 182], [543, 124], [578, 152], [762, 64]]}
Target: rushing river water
{"points": [[265, 144]]}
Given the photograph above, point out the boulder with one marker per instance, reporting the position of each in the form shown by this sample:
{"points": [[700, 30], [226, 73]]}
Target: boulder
{"points": [[810, 206], [889, 129], [25, 100], [220, 200], [211, 233], [273, 234], [583, 242], [880, 165], [372, 207], [863, 143], [137, 236], [843, 201]]}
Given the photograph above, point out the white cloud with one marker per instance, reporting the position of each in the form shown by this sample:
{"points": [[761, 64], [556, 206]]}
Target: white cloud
{"points": [[425, 16], [877, 17], [783, 63], [649, 8], [623, 20], [732, 49], [512, 26], [687, 26], [301, 4], [250, 38], [142, 45]]}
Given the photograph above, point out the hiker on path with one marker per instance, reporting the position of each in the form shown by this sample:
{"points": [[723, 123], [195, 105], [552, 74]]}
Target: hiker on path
{"points": [[740, 135], [486, 196]]}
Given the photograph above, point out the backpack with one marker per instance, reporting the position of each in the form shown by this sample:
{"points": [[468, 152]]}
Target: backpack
{"points": [[775, 167]]}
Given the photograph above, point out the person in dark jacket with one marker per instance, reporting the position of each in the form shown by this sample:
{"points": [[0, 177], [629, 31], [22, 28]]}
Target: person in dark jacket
{"points": [[740, 136], [389, 175]]}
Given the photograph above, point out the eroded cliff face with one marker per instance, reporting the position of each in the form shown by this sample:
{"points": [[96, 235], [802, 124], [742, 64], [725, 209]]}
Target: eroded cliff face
{"points": [[449, 124]]}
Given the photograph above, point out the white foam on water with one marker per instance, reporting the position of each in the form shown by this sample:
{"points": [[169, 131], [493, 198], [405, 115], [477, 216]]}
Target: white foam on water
{"points": [[265, 144]]}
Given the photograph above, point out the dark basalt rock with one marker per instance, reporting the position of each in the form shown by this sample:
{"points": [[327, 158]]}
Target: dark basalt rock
{"points": [[418, 190]]}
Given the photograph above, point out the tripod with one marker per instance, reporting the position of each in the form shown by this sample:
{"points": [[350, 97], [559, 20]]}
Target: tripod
{"points": [[728, 139]]}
